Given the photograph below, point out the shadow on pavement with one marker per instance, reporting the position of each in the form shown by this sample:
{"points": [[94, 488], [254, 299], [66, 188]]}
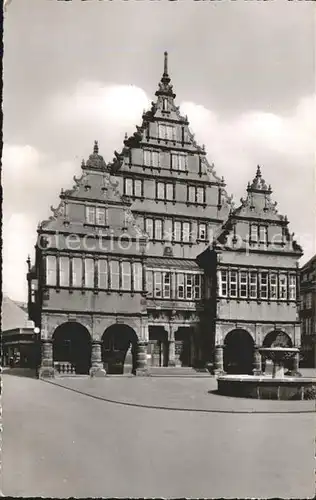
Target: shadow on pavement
{"points": [[20, 372]]}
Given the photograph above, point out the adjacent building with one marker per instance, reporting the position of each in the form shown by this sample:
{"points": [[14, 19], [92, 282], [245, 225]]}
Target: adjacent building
{"points": [[146, 259], [17, 335], [308, 313]]}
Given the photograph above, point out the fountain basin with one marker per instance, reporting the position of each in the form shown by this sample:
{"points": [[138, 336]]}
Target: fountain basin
{"points": [[267, 387]]}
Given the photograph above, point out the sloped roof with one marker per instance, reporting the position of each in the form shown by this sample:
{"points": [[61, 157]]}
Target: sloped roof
{"points": [[13, 316], [310, 263]]}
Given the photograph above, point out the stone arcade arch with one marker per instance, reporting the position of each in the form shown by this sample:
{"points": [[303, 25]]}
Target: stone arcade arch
{"points": [[72, 344], [117, 341], [238, 352], [276, 338]]}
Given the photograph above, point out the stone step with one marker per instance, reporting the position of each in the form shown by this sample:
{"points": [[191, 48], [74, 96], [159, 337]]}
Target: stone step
{"points": [[177, 371]]}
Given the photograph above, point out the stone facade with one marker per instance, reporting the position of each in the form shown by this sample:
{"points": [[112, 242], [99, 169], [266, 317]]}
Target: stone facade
{"points": [[133, 256], [308, 313]]}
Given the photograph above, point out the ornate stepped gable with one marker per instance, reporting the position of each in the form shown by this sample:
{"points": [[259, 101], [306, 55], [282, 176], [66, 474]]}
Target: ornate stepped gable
{"points": [[95, 185], [143, 137], [256, 208]]}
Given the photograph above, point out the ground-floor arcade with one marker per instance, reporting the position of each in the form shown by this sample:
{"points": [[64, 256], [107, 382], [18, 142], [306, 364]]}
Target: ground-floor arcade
{"points": [[237, 347], [83, 344]]}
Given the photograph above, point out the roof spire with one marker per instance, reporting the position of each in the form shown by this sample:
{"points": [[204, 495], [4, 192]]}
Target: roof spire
{"points": [[96, 148], [165, 87], [259, 183], [258, 174], [165, 69]]}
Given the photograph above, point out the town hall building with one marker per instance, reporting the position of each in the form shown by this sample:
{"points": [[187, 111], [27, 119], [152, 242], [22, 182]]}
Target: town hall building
{"points": [[146, 262]]}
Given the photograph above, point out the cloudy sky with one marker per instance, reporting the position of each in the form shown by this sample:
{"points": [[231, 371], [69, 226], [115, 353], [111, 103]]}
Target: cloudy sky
{"points": [[243, 71]]}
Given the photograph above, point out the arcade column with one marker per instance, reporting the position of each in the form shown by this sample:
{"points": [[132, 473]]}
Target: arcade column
{"points": [[141, 359], [97, 369], [219, 360], [257, 364], [46, 369], [172, 347]]}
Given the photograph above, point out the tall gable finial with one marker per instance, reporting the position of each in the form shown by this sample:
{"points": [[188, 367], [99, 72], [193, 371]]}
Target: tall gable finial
{"points": [[165, 68], [165, 87], [96, 148], [258, 183]]}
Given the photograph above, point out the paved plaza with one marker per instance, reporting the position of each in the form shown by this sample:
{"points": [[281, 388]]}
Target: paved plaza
{"points": [[152, 437]]}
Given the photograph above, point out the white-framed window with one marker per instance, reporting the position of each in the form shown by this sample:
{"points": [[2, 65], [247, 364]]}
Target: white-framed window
{"points": [[133, 187], [77, 274], [263, 234], [169, 191], [273, 286], [188, 286], [147, 157], [164, 104], [223, 283], [191, 194], [158, 229], [178, 161], [151, 158], [282, 286], [100, 216], [177, 231], [202, 232], [138, 188], [309, 300], [64, 271], [254, 232], [166, 132], [158, 284], [168, 230], [253, 285], [292, 287], [243, 284], [167, 285], [138, 276], [115, 274], [160, 191], [128, 187], [149, 283], [200, 195], [263, 277], [233, 283], [90, 214], [51, 270], [197, 286], [180, 285], [89, 273], [103, 274], [186, 229], [149, 227], [126, 275]]}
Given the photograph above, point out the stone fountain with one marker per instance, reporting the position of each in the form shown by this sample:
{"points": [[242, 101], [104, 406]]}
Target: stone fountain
{"points": [[278, 386]]}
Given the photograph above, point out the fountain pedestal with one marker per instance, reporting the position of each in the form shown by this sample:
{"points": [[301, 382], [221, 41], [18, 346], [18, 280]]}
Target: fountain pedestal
{"points": [[276, 386], [278, 355]]}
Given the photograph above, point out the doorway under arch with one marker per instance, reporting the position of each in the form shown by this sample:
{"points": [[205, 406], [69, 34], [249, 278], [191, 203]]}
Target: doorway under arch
{"points": [[184, 338], [72, 344], [238, 352], [118, 341]]}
